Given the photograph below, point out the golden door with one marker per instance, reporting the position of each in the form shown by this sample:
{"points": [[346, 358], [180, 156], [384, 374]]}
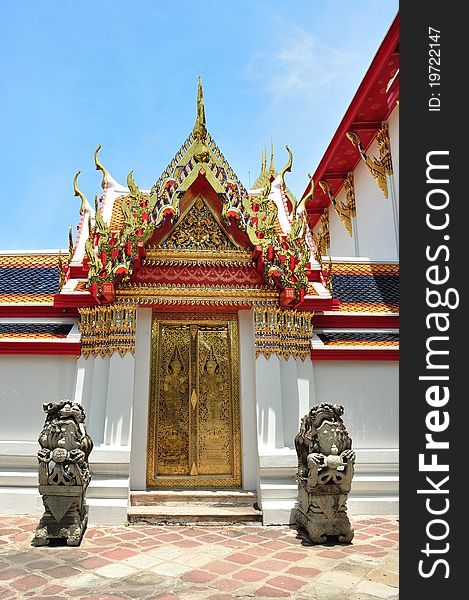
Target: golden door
{"points": [[194, 421]]}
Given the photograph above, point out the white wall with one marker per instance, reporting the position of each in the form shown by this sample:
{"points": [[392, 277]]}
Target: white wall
{"points": [[369, 393], [138, 456], [377, 238], [342, 244], [247, 360], [26, 382]]}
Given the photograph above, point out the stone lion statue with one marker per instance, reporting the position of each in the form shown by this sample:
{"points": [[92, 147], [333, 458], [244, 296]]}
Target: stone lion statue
{"points": [[64, 473], [325, 470]]}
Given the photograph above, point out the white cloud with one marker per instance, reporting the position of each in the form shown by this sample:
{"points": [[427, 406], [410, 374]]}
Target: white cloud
{"points": [[301, 66]]}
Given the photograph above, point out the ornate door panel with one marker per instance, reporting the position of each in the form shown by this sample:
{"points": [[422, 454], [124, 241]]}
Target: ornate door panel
{"points": [[194, 422]]}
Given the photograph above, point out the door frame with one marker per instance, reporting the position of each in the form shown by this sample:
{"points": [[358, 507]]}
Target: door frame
{"points": [[194, 481]]}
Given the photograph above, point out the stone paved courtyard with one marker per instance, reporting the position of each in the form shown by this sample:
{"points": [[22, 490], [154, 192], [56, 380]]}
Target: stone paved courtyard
{"points": [[215, 562]]}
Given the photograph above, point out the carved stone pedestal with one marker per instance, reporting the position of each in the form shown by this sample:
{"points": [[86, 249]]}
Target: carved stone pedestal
{"points": [[325, 470], [322, 512], [65, 516], [64, 474]]}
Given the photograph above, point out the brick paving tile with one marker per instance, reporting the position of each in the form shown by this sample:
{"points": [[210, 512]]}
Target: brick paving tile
{"points": [[187, 544], [28, 582], [304, 571], [257, 551], [253, 538], [119, 554], [221, 567], [290, 555], [384, 543], [11, 574], [222, 597], [103, 597], [37, 565], [271, 565], [241, 559], [165, 596], [331, 554], [61, 572], [274, 545], [168, 537], [93, 562], [231, 532], [232, 543], [271, 592], [292, 584], [210, 537], [249, 575], [198, 577], [225, 584], [53, 589]]}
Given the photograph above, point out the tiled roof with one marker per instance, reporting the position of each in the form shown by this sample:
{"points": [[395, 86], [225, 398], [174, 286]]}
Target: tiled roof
{"points": [[29, 278], [366, 287], [358, 338], [34, 330]]}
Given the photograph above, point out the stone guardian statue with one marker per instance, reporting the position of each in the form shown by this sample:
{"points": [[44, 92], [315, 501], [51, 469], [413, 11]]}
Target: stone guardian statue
{"points": [[64, 474], [325, 470]]}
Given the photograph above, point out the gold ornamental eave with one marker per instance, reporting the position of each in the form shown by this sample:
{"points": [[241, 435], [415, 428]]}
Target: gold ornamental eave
{"points": [[198, 295], [229, 258]]}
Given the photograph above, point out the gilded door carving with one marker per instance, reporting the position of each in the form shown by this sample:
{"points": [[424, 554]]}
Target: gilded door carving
{"points": [[194, 421]]}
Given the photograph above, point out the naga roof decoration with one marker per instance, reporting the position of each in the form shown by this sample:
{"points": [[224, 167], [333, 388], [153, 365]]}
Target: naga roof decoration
{"points": [[113, 238]]}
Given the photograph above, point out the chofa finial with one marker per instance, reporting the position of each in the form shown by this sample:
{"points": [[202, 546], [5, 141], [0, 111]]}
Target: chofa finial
{"points": [[200, 127]]}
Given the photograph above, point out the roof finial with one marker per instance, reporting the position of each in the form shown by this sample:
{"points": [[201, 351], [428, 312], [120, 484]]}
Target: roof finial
{"points": [[200, 127], [272, 168]]}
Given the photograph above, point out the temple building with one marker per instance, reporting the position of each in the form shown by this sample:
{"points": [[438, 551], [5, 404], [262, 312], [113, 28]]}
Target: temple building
{"points": [[198, 321]]}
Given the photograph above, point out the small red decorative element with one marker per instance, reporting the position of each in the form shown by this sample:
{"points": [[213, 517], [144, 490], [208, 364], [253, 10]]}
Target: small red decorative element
{"points": [[108, 291], [287, 297]]}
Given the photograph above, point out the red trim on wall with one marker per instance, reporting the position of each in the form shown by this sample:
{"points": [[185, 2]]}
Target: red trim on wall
{"points": [[34, 311], [349, 354], [74, 300], [41, 348], [317, 303]]}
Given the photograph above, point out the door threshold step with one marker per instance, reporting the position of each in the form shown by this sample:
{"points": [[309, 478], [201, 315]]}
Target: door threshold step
{"points": [[193, 513], [219, 497]]}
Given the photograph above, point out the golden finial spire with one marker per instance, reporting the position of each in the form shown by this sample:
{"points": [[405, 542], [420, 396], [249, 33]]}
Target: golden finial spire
{"points": [[99, 167], [200, 127], [272, 168], [77, 192]]}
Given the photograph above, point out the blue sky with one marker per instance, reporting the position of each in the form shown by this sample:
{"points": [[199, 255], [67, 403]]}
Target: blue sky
{"points": [[76, 74]]}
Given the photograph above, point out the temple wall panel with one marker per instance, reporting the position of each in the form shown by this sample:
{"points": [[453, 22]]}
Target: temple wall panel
{"points": [[375, 220], [96, 417], [342, 244], [269, 403], [247, 359], [119, 400], [26, 382], [138, 457], [368, 392]]}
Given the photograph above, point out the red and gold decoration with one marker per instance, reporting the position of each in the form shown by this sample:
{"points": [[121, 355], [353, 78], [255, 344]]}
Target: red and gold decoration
{"points": [[108, 329], [283, 332]]}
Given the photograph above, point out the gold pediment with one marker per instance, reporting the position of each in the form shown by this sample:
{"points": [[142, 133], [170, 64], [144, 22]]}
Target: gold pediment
{"points": [[198, 230]]}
